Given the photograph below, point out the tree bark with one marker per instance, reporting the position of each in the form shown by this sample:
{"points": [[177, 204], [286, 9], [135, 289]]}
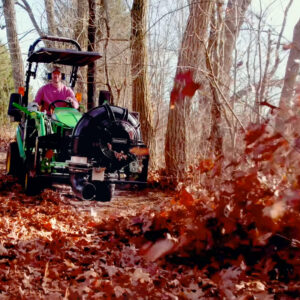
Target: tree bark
{"points": [[80, 32], [139, 64], [222, 41], [13, 43], [91, 72], [106, 18], [49, 6], [234, 19], [291, 73], [191, 53]]}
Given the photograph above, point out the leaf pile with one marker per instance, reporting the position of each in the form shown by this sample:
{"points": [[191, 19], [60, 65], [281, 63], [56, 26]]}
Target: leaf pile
{"points": [[236, 236], [242, 228], [56, 247]]}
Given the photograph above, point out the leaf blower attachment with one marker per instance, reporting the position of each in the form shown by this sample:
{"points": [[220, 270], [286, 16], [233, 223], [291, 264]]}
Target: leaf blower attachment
{"points": [[103, 138]]}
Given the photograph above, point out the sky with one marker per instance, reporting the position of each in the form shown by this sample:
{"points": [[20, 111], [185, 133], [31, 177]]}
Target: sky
{"points": [[276, 14]]}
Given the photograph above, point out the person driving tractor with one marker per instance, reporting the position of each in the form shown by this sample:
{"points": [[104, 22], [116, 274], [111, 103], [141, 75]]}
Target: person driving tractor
{"points": [[55, 90]]}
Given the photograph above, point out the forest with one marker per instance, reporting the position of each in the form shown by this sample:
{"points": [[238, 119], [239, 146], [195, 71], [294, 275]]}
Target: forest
{"points": [[216, 87]]}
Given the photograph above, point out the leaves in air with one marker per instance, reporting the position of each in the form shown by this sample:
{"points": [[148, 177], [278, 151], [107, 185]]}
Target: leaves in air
{"points": [[184, 86]]}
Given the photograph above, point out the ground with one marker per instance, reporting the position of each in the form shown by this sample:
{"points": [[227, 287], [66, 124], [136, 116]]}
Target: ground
{"points": [[54, 246]]}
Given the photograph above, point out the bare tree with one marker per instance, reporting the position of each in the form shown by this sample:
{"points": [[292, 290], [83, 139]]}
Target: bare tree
{"points": [[234, 18], [49, 6], [222, 41], [27, 7], [13, 43], [139, 65], [191, 51], [291, 73], [255, 68], [80, 34], [91, 72]]}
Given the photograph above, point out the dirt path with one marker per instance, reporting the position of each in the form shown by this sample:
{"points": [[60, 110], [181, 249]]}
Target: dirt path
{"points": [[124, 202]]}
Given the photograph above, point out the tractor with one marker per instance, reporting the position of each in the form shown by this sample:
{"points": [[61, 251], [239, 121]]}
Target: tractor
{"points": [[92, 151]]}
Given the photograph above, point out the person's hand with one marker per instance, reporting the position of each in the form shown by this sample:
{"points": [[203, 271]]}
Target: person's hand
{"points": [[73, 102]]}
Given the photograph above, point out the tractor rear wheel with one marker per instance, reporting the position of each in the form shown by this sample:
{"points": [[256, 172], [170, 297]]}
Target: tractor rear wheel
{"points": [[31, 183], [14, 164], [32, 186]]}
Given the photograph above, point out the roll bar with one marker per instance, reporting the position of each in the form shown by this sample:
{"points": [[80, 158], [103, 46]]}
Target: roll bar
{"points": [[30, 73], [53, 39]]}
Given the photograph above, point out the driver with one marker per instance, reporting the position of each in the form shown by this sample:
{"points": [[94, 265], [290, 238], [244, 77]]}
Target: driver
{"points": [[55, 90]]}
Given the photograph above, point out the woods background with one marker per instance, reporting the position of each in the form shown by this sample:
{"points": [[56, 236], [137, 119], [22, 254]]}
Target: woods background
{"points": [[198, 72]]}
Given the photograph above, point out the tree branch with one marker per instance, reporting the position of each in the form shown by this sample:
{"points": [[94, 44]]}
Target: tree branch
{"points": [[27, 8]]}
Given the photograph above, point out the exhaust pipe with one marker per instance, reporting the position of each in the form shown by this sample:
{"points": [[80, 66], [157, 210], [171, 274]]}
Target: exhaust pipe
{"points": [[82, 188]]}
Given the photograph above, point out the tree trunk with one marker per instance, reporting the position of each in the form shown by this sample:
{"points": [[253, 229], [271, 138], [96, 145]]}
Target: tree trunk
{"points": [[190, 56], [219, 62], [91, 73], [234, 19], [106, 19], [291, 73], [139, 64], [13, 43], [49, 6], [214, 62], [80, 31]]}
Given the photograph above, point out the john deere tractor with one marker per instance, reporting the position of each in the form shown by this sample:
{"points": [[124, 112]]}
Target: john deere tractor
{"points": [[91, 151]]}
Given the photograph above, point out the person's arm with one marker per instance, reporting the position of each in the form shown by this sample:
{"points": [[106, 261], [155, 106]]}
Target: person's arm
{"points": [[71, 97]]}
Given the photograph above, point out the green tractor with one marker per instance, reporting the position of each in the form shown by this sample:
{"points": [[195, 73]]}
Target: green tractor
{"points": [[91, 151]]}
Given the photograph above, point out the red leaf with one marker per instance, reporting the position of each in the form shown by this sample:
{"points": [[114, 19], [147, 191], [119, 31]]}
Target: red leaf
{"points": [[292, 197], [266, 148], [159, 249], [185, 198], [205, 165], [184, 86], [297, 144], [254, 131], [288, 46], [265, 103]]}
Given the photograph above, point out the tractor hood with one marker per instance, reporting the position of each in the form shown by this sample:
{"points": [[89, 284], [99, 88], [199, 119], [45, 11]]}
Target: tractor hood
{"points": [[67, 116]]}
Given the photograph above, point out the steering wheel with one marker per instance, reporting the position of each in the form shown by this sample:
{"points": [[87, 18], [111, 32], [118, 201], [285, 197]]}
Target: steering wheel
{"points": [[68, 103]]}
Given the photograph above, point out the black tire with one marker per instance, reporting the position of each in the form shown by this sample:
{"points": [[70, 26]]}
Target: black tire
{"points": [[14, 164], [32, 184], [104, 191]]}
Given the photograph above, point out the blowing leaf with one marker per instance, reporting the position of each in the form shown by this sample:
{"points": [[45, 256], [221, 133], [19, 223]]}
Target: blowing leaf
{"points": [[184, 86], [254, 132]]}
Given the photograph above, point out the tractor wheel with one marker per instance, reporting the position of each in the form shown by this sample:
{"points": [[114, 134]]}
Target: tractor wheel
{"points": [[104, 191], [14, 164], [32, 184]]}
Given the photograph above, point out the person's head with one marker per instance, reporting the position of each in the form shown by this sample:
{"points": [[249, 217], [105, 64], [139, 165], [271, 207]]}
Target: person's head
{"points": [[56, 75]]}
